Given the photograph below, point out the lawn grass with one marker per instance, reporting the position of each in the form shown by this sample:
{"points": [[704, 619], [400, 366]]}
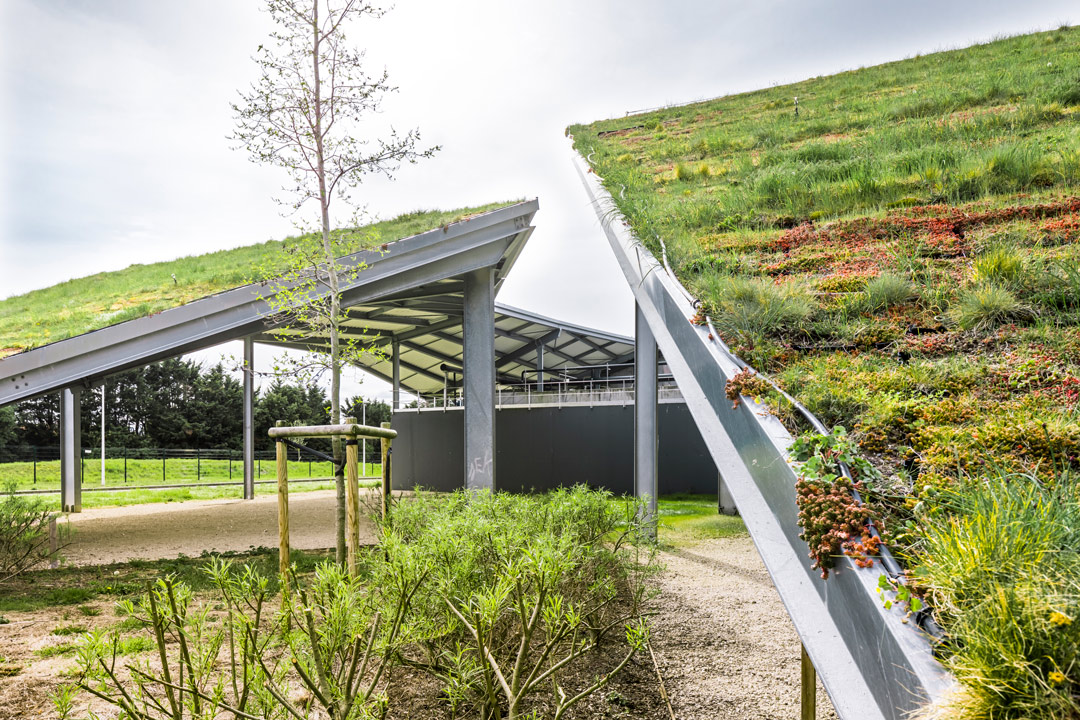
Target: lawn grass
{"points": [[132, 472], [688, 519], [902, 256], [89, 303]]}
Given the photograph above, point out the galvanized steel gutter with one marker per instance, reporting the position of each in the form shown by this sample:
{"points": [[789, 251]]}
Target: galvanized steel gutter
{"points": [[873, 664]]}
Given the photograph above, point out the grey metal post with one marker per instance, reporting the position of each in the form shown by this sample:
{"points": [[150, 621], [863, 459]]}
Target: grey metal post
{"points": [[540, 367], [71, 449], [645, 399], [479, 379], [396, 347], [726, 503], [249, 418]]}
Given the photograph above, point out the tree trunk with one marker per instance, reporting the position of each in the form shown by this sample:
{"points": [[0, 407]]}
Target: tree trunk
{"points": [[335, 297]]}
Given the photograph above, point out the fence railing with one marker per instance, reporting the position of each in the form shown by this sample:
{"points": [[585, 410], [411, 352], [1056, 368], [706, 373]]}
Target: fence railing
{"points": [[37, 468], [572, 392]]}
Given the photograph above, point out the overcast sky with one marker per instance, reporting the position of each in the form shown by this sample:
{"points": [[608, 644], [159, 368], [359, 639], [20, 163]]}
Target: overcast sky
{"points": [[114, 115]]}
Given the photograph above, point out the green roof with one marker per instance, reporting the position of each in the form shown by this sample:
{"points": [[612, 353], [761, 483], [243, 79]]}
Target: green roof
{"points": [[77, 306]]}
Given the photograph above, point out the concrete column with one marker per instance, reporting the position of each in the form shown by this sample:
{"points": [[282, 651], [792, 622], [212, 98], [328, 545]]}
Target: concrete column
{"points": [[540, 366], [396, 349], [249, 418], [479, 379], [645, 423], [71, 449]]}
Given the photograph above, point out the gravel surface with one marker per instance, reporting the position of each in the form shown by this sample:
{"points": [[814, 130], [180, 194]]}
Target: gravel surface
{"points": [[168, 530], [723, 641]]}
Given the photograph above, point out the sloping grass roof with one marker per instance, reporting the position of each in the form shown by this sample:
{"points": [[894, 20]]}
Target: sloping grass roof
{"points": [[903, 255], [77, 306]]}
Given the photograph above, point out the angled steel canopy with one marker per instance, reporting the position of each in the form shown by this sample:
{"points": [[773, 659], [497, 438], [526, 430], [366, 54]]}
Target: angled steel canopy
{"points": [[430, 342], [874, 664], [417, 275]]}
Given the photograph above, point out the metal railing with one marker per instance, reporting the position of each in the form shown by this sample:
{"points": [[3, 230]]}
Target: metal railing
{"points": [[611, 391]]}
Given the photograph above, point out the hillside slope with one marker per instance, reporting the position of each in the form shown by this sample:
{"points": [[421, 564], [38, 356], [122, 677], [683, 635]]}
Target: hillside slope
{"points": [[902, 255], [89, 303]]}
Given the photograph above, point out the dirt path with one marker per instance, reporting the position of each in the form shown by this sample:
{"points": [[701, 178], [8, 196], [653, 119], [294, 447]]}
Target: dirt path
{"points": [[168, 530], [722, 638]]}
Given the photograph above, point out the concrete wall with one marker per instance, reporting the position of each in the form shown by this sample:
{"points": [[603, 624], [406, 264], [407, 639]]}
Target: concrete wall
{"points": [[547, 447]]}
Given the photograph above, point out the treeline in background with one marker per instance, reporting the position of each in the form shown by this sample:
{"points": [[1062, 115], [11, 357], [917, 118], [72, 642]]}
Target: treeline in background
{"points": [[173, 404]]}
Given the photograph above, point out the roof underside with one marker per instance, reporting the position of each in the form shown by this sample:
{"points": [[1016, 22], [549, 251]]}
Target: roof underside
{"points": [[427, 325]]}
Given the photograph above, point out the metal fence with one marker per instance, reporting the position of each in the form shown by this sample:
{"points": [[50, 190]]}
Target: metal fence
{"points": [[606, 391], [37, 468]]}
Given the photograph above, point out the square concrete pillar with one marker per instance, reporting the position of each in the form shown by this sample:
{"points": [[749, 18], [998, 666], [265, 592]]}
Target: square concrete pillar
{"points": [[71, 449], [479, 379]]}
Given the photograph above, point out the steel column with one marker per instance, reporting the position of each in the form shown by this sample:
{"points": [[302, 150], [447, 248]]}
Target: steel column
{"points": [[539, 366], [396, 349], [479, 379], [249, 418], [645, 424], [725, 502], [71, 449]]}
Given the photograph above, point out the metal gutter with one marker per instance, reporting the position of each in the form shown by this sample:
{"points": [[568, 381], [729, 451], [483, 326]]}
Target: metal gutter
{"points": [[873, 664]]}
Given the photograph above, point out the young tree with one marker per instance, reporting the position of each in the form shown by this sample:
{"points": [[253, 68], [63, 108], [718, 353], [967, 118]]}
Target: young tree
{"points": [[305, 114]]}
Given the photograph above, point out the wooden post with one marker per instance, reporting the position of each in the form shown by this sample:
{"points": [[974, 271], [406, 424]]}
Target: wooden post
{"points": [[352, 503], [809, 688], [283, 508], [386, 460]]}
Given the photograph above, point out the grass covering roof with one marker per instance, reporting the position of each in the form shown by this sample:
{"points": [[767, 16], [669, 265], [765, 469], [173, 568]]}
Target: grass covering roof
{"points": [[77, 306], [903, 255]]}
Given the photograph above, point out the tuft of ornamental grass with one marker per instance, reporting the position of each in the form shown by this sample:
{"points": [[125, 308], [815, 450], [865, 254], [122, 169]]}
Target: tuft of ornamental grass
{"points": [[1002, 265], [1001, 565], [986, 306], [885, 291], [683, 172], [755, 307]]}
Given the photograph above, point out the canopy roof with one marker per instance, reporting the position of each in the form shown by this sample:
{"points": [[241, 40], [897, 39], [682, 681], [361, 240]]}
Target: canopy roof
{"points": [[411, 292]]}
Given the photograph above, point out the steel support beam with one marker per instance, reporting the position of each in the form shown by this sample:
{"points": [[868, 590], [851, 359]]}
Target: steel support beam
{"points": [[645, 424], [479, 366], [71, 449], [396, 359], [725, 502], [249, 418], [539, 365]]}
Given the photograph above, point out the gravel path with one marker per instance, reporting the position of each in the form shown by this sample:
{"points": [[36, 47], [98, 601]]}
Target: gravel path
{"points": [[167, 530], [722, 638]]}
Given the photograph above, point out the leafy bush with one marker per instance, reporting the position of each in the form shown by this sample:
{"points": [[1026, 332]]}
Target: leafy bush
{"points": [[1001, 561], [522, 589], [498, 597], [24, 535], [984, 307]]}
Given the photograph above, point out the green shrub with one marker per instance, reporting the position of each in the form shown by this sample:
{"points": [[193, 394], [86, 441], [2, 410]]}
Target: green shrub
{"points": [[984, 307]]}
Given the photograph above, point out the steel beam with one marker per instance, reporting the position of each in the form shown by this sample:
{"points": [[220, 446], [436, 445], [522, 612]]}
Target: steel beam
{"points": [[71, 449], [540, 365], [479, 366], [249, 418], [396, 359], [645, 424]]}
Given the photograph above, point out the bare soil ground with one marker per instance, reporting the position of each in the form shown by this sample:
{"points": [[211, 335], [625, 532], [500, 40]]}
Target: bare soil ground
{"points": [[723, 642], [168, 530]]}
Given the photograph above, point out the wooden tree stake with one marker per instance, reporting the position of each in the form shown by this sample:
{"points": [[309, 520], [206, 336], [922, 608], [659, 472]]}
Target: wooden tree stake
{"points": [[386, 460], [283, 507], [352, 503]]}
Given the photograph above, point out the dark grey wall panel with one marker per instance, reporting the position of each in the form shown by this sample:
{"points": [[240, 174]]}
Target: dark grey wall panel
{"points": [[547, 447]]}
